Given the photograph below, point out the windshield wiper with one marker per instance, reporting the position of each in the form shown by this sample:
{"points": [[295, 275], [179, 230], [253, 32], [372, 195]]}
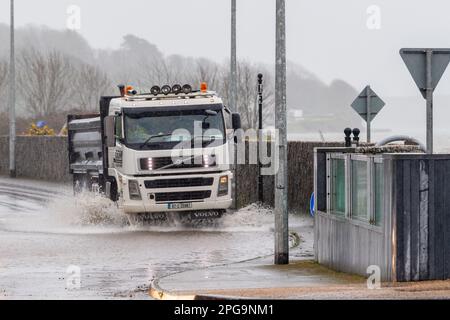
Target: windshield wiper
{"points": [[153, 137]]}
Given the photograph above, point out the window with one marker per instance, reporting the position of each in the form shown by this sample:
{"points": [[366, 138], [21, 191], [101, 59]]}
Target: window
{"points": [[379, 189], [359, 190], [355, 187], [175, 128], [228, 122], [338, 186], [118, 127]]}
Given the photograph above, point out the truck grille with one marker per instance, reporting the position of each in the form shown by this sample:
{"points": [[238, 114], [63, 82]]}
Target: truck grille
{"points": [[158, 163], [161, 162], [182, 196], [178, 183]]}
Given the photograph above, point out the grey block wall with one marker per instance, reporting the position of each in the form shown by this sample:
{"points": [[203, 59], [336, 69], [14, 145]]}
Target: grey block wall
{"points": [[42, 158], [300, 177]]}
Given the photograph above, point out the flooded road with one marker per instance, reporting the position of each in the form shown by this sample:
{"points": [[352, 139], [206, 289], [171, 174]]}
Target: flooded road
{"points": [[55, 246]]}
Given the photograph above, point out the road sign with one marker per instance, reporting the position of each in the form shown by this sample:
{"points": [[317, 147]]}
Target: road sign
{"points": [[427, 67], [416, 62], [368, 104]]}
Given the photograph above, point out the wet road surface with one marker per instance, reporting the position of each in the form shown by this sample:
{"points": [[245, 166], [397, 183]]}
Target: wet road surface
{"points": [[55, 246]]}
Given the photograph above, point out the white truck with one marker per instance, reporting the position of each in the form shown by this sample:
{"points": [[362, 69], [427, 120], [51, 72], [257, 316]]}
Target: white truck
{"points": [[163, 151]]}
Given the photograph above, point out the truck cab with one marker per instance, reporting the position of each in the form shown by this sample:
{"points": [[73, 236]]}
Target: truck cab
{"points": [[169, 150]]}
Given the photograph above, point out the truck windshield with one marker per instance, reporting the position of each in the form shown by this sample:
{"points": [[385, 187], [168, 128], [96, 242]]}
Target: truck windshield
{"points": [[168, 129]]}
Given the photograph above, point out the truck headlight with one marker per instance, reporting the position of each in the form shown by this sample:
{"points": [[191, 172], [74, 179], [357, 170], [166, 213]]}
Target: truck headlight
{"points": [[146, 164], [223, 186], [133, 188]]}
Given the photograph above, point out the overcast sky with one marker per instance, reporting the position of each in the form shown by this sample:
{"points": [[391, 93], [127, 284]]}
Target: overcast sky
{"points": [[328, 37]]}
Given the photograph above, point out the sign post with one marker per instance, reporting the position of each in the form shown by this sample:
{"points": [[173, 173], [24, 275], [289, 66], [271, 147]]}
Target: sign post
{"points": [[427, 67], [368, 104], [260, 138]]}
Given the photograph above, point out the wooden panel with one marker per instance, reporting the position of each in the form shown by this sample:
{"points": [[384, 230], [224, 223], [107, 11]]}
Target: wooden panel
{"points": [[440, 209], [388, 250], [321, 183], [414, 220], [431, 220], [446, 223], [423, 219]]}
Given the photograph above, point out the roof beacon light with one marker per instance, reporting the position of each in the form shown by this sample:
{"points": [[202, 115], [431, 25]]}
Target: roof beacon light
{"points": [[166, 90], [203, 87], [131, 91], [187, 89], [155, 90], [176, 89]]}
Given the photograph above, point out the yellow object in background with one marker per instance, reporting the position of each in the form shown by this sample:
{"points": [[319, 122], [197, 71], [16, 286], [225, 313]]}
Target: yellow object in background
{"points": [[34, 130]]}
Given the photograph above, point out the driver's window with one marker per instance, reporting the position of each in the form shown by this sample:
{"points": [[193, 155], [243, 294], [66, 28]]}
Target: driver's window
{"points": [[118, 127], [228, 123]]}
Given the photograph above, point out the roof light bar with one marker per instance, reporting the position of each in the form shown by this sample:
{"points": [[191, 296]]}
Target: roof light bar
{"points": [[166, 89], [187, 89], [176, 89], [155, 90]]}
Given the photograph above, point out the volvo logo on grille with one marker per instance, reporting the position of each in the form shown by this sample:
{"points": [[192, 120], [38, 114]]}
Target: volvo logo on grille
{"points": [[206, 214]]}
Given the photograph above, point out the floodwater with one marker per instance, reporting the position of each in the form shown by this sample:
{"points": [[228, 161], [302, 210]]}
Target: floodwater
{"points": [[56, 246]]}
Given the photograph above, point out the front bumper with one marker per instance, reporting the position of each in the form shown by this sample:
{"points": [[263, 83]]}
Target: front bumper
{"points": [[157, 199]]}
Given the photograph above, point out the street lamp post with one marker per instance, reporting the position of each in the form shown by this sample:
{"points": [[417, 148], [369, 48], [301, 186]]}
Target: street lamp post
{"points": [[233, 63], [281, 210], [12, 100]]}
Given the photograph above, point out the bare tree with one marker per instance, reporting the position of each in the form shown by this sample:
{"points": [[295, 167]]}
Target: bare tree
{"points": [[90, 84], [45, 81], [207, 71], [247, 93]]}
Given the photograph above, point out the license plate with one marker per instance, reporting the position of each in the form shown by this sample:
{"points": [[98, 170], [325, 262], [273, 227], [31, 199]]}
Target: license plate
{"points": [[185, 205]]}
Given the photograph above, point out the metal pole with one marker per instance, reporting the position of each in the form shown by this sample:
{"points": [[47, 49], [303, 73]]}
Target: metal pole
{"points": [[429, 97], [260, 137], [281, 212], [12, 101], [233, 64], [369, 116]]}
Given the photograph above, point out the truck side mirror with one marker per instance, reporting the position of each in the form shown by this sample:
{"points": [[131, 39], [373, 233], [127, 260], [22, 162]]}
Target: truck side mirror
{"points": [[109, 132], [236, 121]]}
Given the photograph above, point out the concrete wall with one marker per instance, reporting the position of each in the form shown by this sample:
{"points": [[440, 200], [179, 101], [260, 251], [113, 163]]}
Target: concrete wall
{"points": [[46, 158]]}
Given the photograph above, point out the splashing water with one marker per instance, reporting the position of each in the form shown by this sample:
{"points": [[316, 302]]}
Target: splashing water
{"points": [[87, 209], [92, 213]]}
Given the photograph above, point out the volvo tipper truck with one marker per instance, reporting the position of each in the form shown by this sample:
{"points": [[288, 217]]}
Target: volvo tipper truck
{"points": [[168, 150]]}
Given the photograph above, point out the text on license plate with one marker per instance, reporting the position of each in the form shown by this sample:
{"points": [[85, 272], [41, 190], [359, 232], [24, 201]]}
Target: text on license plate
{"points": [[184, 205]]}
